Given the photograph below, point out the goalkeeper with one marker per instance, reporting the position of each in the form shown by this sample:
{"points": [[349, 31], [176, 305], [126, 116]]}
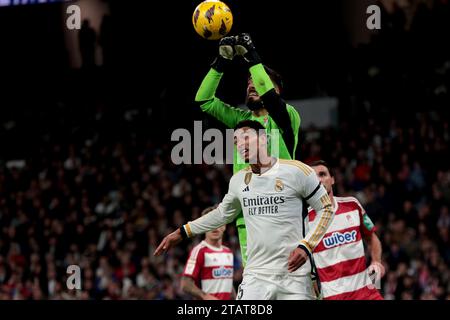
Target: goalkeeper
{"points": [[264, 101]]}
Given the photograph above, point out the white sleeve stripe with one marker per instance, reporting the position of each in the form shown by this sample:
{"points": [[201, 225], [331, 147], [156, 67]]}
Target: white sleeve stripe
{"points": [[192, 260], [194, 253]]}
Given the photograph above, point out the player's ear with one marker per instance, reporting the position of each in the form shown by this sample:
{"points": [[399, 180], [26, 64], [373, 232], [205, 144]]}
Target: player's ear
{"points": [[277, 89], [332, 180]]}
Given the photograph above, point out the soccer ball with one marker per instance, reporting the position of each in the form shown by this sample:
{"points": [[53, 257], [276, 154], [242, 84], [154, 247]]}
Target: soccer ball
{"points": [[212, 19]]}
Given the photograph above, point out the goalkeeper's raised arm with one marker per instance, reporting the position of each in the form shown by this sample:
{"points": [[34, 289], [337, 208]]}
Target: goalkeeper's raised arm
{"points": [[206, 94], [264, 93], [263, 98]]}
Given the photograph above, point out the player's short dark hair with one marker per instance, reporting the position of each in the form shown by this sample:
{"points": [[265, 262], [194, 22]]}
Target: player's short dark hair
{"points": [[275, 77], [255, 125], [322, 163]]}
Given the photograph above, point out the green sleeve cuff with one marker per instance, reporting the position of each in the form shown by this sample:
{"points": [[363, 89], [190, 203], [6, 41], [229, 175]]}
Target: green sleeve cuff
{"points": [[261, 79], [209, 86]]}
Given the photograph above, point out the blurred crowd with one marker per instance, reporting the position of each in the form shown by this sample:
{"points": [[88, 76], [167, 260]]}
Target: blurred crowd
{"points": [[105, 197], [104, 207]]}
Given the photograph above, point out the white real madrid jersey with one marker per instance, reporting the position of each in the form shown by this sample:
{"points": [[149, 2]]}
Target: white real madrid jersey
{"points": [[272, 204]]}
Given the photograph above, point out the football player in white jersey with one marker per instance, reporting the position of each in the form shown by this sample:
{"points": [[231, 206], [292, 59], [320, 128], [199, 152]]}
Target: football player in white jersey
{"points": [[271, 194]]}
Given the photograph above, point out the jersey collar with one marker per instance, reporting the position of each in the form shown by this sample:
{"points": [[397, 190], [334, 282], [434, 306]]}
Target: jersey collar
{"points": [[335, 204], [274, 168], [212, 247]]}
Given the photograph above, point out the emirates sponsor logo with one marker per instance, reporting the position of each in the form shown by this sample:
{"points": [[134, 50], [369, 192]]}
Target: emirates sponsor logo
{"points": [[262, 200], [338, 238]]}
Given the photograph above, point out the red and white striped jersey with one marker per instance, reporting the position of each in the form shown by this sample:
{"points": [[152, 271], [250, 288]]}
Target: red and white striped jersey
{"points": [[340, 258], [212, 269]]}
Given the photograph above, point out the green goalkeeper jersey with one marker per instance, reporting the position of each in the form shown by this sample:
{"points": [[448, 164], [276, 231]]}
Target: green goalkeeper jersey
{"points": [[282, 123], [231, 116]]}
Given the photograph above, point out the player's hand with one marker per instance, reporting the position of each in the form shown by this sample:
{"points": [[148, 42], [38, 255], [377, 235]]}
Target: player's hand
{"points": [[226, 53], [168, 242], [209, 297], [244, 47], [226, 47], [376, 268], [297, 258]]}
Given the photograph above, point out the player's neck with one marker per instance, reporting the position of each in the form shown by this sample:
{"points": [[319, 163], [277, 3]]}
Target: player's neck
{"points": [[264, 164], [214, 243], [260, 112], [332, 199]]}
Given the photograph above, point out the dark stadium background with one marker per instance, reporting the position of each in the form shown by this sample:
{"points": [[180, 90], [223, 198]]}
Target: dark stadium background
{"points": [[96, 186]]}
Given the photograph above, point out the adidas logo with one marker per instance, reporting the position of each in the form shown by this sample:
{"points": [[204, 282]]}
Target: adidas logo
{"points": [[246, 189]]}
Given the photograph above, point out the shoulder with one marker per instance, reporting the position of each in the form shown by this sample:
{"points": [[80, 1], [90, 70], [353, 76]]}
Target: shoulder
{"points": [[292, 111], [291, 108], [349, 202], [216, 102], [226, 249], [197, 251], [241, 173], [239, 177], [296, 166]]}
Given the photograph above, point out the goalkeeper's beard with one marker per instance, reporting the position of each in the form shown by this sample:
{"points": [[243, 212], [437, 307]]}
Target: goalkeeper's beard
{"points": [[254, 104]]}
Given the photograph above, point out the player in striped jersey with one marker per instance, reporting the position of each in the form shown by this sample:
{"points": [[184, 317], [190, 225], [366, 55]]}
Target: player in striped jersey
{"points": [[208, 274], [340, 257]]}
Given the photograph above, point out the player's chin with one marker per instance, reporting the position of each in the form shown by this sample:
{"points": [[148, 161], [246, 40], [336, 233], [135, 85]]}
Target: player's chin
{"points": [[246, 157], [252, 99]]}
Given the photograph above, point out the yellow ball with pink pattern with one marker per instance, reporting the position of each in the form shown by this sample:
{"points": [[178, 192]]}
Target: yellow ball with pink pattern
{"points": [[212, 19]]}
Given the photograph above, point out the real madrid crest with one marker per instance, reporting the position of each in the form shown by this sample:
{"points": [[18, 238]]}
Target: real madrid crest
{"points": [[279, 186], [248, 177]]}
